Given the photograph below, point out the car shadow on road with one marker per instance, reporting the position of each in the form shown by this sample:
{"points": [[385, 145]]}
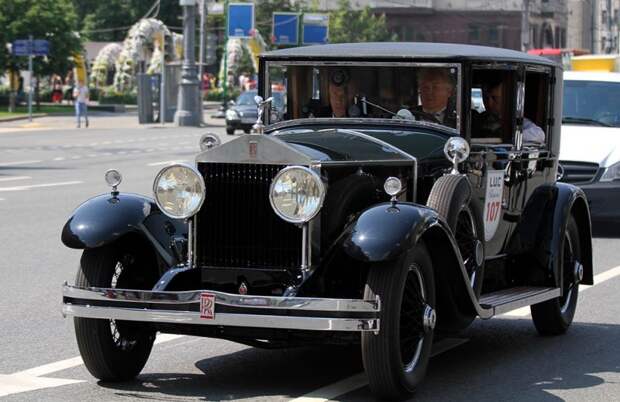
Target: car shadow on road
{"points": [[504, 360], [251, 373]]}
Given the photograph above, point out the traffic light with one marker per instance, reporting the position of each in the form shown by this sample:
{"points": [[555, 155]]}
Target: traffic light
{"points": [[210, 54]]}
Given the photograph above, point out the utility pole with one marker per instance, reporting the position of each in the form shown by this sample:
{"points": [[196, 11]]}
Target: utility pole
{"points": [[30, 72], [525, 26], [203, 41], [188, 110]]}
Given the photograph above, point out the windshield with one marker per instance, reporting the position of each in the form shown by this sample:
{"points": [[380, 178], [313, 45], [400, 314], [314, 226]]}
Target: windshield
{"points": [[592, 103], [246, 98], [425, 92]]}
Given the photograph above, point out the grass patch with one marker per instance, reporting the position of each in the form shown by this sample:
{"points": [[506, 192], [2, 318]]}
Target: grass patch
{"points": [[50, 109]]}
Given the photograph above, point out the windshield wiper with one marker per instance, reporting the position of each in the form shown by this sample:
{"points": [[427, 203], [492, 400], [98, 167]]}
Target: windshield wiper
{"points": [[583, 120]]}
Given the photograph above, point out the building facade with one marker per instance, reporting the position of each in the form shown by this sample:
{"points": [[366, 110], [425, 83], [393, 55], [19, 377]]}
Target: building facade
{"points": [[513, 24]]}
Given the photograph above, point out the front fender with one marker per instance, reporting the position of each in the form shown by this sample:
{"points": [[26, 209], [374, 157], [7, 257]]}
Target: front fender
{"points": [[383, 232], [105, 218]]}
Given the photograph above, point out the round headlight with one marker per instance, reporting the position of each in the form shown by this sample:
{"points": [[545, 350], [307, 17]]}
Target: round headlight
{"points": [[179, 191], [297, 194]]}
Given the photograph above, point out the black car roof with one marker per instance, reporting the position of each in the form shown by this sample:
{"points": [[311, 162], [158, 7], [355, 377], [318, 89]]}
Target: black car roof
{"points": [[406, 50]]}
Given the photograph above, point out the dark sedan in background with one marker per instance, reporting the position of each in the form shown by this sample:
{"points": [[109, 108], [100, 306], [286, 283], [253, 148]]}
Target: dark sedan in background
{"points": [[242, 115]]}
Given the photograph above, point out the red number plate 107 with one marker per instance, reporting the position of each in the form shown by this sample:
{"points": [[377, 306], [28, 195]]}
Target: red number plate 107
{"points": [[207, 306]]}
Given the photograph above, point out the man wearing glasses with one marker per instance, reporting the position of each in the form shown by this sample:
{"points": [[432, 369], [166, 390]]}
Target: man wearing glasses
{"points": [[436, 87]]}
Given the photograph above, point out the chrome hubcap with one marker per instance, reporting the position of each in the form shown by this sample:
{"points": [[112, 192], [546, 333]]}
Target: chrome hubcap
{"points": [[429, 319]]}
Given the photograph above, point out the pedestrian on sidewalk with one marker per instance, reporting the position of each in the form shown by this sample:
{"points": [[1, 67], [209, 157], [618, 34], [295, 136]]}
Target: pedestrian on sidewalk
{"points": [[80, 94]]}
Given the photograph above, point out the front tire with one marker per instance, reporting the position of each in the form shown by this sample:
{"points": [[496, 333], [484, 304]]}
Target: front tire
{"points": [[113, 350], [230, 131], [554, 316], [396, 358], [451, 198]]}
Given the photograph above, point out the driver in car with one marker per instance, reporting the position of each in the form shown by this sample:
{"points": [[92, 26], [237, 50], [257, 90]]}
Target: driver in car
{"points": [[436, 87]]}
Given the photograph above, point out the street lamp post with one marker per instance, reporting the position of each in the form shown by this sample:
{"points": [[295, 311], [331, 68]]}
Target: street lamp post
{"points": [[188, 108]]}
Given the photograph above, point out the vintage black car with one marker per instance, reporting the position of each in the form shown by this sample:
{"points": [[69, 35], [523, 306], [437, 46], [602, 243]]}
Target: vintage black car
{"points": [[382, 211]]}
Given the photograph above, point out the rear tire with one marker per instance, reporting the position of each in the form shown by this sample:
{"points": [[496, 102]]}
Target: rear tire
{"points": [[451, 198], [396, 358], [230, 131], [553, 317], [113, 350]]}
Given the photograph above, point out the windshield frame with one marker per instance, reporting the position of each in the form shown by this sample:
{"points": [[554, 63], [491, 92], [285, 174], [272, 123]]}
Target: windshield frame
{"points": [[266, 81]]}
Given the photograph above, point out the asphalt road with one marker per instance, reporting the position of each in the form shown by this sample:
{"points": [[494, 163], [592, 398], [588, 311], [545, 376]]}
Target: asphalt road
{"points": [[49, 168]]}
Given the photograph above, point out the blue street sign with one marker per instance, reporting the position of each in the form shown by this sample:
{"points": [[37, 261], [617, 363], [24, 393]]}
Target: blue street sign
{"points": [[21, 47], [285, 28], [315, 29], [240, 20], [25, 47], [40, 47]]}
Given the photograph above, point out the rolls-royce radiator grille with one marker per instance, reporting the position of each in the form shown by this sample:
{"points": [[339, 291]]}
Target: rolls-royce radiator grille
{"points": [[236, 225]]}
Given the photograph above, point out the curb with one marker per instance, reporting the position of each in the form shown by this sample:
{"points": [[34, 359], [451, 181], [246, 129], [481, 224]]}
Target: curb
{"points": [[17, 118]]}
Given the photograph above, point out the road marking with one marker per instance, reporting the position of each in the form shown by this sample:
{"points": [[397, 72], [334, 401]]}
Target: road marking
{"points": [[21, 188], [15, 178], [13, 384], [59, 158], [164, 163], [598, 279], [32, 379], [19, 163]]}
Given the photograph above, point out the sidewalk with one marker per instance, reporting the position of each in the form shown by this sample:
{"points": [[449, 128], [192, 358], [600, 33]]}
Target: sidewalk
{"points": [[98, 121]]}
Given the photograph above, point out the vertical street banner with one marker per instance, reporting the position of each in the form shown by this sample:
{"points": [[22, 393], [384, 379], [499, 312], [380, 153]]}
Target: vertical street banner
{"points": [[315, 29], [285, 28], [240, 20]]}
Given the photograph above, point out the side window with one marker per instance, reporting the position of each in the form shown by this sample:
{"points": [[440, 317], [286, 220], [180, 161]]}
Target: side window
{"points": [[535, 109], [492, 106]]}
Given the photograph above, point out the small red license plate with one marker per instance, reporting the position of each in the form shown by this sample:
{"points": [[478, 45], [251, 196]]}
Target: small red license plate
{"points": [[207, 306]]}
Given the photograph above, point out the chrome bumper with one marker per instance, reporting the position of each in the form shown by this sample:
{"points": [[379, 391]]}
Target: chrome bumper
{"points": [[302, 313]]}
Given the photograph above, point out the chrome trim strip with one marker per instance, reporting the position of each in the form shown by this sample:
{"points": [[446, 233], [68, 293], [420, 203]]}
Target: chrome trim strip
{"points": [[223, 319], [193, 296], [376, 141]]}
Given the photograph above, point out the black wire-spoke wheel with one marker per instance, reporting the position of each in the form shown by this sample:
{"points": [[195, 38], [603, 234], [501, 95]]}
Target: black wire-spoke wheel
{"points": [[396, 358], [451, 198], [555, 316], [114, 350]]}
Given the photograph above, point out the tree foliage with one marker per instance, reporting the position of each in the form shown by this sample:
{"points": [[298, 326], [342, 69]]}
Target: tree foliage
{"points": [[52, 20], [110, 20], [348, 25]]}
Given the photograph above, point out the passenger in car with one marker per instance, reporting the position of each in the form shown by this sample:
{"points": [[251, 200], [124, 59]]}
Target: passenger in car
{"points": [[493, 93], [436, 87]]}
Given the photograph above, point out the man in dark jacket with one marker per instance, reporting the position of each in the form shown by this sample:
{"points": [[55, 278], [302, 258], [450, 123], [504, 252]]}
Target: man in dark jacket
{"points": [[436, 87]]}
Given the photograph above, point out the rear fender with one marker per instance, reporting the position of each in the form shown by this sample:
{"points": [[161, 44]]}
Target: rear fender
{"points": [[385, 231], [104, 219], [540, 233]]}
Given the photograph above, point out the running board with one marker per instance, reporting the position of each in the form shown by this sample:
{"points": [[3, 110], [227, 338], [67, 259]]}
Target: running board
{"points": [[506, 300]]}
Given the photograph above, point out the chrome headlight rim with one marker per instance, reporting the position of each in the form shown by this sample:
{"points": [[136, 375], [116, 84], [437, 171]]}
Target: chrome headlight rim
{"points": [[201, 182], [317, 179]]}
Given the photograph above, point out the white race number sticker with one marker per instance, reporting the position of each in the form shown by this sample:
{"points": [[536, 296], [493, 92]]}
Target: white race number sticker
{"points": [[493, 202]]}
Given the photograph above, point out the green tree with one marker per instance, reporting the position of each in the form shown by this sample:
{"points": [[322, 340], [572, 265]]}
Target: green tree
{"points": [[348, 25], [110, 20], [52, 20]]}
